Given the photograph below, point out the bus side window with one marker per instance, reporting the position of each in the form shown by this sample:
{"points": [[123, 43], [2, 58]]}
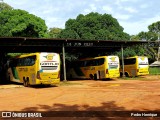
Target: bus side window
{"points": [[32, 62], [88, 63], [101, 61], [14, 63], [129, 61]]}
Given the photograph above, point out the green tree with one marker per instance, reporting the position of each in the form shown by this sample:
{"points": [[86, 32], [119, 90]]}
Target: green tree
{"points": [[146, 36], [94, 26], [19, 23], [5, 6], [152, 35], [54, 32], [132, 51], [155, 28]]}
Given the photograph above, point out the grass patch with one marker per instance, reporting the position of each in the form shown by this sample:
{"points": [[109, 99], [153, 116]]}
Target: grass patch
{"points": [[154, 70], [145, 77], [133, 78]]}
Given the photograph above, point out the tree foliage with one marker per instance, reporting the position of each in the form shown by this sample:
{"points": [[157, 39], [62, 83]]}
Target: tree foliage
{"points": [[5, 6], [94, 26], [151, 35], [146, 36], [54, 32], [19, 23], [155, 29], [132, 51]]}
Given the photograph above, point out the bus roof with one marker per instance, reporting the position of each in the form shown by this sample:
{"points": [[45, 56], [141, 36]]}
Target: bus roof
{"points": [[96, 57], [135, 57], [30, 54]]}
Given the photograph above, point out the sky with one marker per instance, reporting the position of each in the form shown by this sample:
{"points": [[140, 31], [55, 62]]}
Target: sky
{"points": [[133, 15]]}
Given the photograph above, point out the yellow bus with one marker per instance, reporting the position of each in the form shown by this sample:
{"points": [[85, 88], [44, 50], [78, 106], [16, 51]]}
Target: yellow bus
{"points": [[35, 68], [135, 66], [95, 68]]}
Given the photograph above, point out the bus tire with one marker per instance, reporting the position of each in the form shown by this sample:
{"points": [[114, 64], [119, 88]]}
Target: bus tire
{"points": [[95, 77], [126, 74], [91, 76], [8, 79], [25, 82], [121, 74]]}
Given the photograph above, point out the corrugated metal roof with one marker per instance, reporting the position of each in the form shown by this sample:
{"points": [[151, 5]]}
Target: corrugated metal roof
{"points": [[46, 44]]}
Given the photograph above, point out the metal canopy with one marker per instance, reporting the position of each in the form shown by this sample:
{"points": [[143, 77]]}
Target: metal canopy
{"points": [[23, 44]]}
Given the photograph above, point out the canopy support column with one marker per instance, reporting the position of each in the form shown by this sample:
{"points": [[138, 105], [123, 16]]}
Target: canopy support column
{"points": [[123, 74], [64, 63]]}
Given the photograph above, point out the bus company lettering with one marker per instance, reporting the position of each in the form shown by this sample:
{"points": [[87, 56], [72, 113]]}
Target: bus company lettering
{"points": [[48, 63], [23, 69], [113, 63]]}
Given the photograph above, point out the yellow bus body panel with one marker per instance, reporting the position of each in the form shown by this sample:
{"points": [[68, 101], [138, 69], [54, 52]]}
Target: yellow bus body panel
{"points": [[30, 72]]}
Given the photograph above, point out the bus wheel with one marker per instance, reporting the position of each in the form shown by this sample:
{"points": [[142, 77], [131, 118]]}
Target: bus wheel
{"points": [[121, 74], [126, 74], [95, 77], [25, 82], [91, 76]]}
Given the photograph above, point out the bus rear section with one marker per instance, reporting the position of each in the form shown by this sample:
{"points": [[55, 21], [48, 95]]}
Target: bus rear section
{"points": [[101, 67], [143, 66], [112, 67], [135, 66], [48, 68]]}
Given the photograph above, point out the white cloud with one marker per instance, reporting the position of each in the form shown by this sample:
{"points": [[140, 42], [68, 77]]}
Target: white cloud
{"points": [[133, 28], [144, 6], [107, 9], [121, 16], [124, 0], [92, 8], [55, 22], [119, 2], [57, 12], [152, 20], [86, 11], [97, 0], [130, 10]]}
